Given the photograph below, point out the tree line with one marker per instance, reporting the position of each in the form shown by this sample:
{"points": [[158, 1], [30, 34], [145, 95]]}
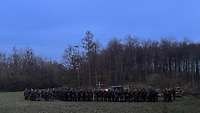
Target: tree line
{"points": [[23, 69], [163, 63], [121, 62]]}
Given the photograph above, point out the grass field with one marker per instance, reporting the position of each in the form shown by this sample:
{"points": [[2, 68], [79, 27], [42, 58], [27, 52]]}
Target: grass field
{"points": [[14, 103]]}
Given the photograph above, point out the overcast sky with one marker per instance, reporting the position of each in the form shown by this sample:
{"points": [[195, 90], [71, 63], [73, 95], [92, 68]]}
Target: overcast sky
{"points": [[48, 26]]}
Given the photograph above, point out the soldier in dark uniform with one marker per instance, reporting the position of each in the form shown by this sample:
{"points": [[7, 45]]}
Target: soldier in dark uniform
{"points": [[126, 96], [72, 95], [131, 96], [169, 95], [109, 95], [46, 95], [174, 94], [134, 92], [105, 95], [83, 95], [144, 95], [121, 96], [77, 95], [115, 95], [90, 95], [33, 95], [136, 95], [153, 96], [86, 95], [38, 94], [27, 94], [112, 95], [164, 95], [140, 95]]}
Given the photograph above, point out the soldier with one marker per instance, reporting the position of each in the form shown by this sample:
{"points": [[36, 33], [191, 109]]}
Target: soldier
{"points": [[109, 95], [153, 96], [26, 94], [131, 96], [140, 95], [46, 95], [144, 95], [77, 95], [81, 95], [73, 96], [121, 96], [86, 95], [115, 95], [164, 92], [126, 95], [112, 95], [38, 94], [33, 95], [174, 94], [69, 95], [169, 95], [136, 95]]}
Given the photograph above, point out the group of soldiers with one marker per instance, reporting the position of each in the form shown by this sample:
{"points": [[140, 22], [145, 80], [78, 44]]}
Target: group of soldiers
{"points": [[169, 94], [76, 95]]}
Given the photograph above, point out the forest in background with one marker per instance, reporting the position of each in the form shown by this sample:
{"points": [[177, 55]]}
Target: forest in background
{"points": [[163, 63]]}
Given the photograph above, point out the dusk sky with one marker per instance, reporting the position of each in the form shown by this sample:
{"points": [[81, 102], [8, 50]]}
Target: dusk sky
{"points": [[48, 26]]}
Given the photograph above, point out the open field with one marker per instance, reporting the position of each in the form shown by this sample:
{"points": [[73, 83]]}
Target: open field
{"points": [[14, 103]]}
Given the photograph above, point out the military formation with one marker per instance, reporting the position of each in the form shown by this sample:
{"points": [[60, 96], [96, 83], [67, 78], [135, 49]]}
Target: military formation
{"points": [[100, 95]]}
